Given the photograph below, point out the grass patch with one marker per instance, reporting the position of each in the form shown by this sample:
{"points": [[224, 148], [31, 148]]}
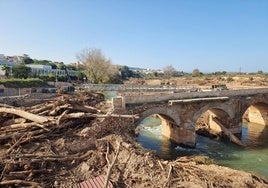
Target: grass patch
{"points": [[23, 83]]}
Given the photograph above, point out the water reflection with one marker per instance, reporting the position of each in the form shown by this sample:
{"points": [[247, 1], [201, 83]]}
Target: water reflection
{"points": [[255, 135], [253, 158]]}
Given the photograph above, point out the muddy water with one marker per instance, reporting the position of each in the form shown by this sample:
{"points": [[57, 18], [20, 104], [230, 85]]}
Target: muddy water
{"points": [[253, 158]]}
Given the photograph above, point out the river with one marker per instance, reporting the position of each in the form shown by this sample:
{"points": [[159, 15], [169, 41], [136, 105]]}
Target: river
{"points": [[253, 158]]}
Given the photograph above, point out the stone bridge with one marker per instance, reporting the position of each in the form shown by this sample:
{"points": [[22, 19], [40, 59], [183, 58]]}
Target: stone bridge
{"points": [[180, 112]]}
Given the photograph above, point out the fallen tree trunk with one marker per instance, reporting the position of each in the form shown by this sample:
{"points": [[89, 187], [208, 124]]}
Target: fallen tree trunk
{"points": [[85, 115], [24, 114], [229, 133], [26, 125], [41, 108], [55, 111], [88, 109]]}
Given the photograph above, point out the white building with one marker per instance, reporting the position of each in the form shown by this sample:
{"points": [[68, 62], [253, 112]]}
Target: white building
{"points": [[4, 62], [47, 69], [38, 69]]}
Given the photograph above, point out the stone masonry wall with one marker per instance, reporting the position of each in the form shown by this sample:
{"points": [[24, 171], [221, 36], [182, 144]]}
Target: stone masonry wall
{"points": [[173, 96]]}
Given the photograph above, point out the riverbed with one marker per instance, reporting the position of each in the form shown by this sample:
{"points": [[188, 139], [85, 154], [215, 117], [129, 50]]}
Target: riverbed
{"points": [[253, 158]]}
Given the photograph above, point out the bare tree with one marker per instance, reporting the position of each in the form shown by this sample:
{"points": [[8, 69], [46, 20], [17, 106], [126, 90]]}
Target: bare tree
{"points": [[169, 71], [97, 68]]}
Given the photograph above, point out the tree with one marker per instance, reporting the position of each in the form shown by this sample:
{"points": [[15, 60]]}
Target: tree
{"points": [[61, 66], [260, 72], [126, 72], [6, 69], [169, 71], [71, 67], [51, 76], [27, 60], [220, 73], [80, 76], [21, 71], [195, 72], [53, 65], [97, 68]]}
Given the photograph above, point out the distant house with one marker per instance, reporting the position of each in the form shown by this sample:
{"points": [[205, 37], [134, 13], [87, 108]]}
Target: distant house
{"points": [[4, 62], [12, 61], [46, 69], [145, 71], [40, 69]]}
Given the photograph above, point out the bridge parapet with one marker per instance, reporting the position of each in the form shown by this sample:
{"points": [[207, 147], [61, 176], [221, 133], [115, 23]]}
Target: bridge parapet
{"points": [[156, 98], [137, 88]]}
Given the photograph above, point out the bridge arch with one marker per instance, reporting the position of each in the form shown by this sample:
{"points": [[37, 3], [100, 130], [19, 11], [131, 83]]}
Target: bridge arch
{"points": [[164, 112], [256, 111], [203, 118], [172, 124], [217, 108]]}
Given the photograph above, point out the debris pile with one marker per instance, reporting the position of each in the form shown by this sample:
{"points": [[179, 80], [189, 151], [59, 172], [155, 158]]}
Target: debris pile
{"points": [[38, 142]]}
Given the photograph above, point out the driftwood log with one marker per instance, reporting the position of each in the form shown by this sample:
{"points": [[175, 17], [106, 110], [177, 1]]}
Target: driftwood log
{"points": [[228, 133], [24, 114]]}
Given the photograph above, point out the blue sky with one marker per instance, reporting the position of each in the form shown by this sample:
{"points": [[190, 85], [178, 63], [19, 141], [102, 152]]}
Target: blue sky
{"points": [[211, 35]]}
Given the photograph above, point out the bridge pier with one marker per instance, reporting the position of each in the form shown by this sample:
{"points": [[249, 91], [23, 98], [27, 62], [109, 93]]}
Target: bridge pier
{"points": [[177, 134], [236, 125], [119, 102]]}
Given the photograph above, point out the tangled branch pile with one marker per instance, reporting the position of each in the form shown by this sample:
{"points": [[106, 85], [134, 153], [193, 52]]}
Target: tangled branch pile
{"points": [[37, 142]]}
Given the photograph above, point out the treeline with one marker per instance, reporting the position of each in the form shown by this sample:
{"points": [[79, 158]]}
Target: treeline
{"points": [[94, 67]]}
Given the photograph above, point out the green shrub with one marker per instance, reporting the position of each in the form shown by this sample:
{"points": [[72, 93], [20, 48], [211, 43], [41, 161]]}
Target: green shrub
{"points": [[23, 83]]}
